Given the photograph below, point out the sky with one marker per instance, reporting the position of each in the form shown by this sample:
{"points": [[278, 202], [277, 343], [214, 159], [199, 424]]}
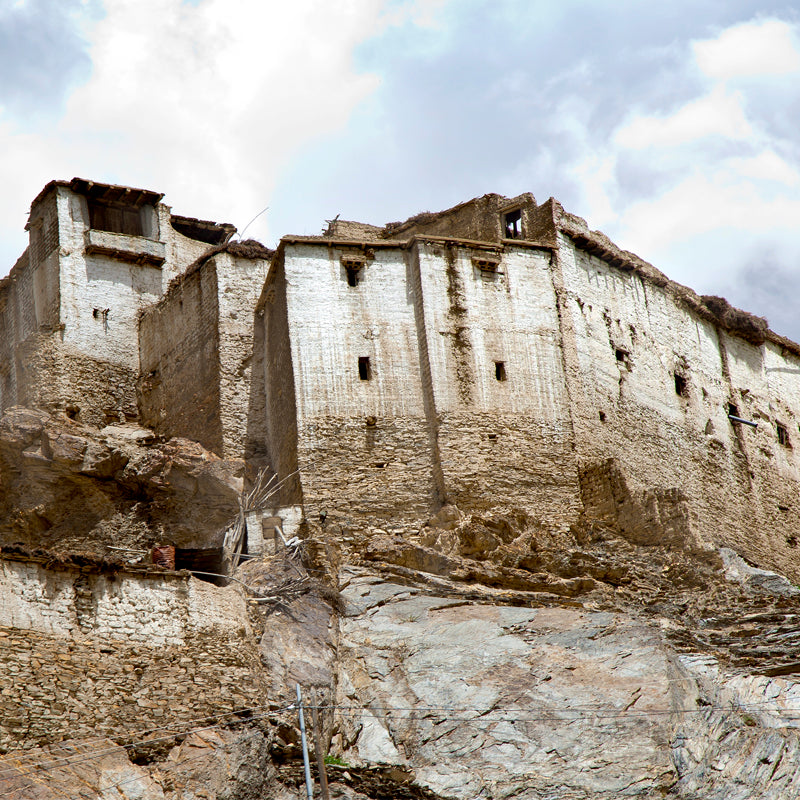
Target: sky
{"points": [[672, 127]]}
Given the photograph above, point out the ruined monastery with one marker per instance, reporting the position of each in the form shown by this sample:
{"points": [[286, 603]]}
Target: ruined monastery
{"points": [[499, 348], [516, 513]]}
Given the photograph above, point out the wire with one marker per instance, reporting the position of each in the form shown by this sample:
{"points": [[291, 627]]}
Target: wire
{"points": [[122, 782], [97, 752], [612, 716]]}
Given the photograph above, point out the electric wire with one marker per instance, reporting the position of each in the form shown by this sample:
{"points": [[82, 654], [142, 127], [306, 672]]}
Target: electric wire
{"points": [[405, 714], [98, 752]]}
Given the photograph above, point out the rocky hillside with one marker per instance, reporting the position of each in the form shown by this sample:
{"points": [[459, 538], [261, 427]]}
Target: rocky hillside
{"points": [[485, 656]]}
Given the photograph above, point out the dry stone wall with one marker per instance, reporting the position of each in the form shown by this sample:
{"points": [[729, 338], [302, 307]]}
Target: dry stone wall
{"points": [[89, 655]]}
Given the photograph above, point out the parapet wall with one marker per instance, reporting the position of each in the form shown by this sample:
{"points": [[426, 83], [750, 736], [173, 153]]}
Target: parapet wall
{"points": [[88, 655]]}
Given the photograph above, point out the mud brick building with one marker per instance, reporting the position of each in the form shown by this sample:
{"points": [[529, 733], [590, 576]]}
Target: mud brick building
{"points": [[498, 352]]}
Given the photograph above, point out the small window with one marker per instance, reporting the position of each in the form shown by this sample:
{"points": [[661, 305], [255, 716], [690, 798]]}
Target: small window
{"points": [[115, 218], [512, 223], [500, 370], [620, 354], [364, 368], [353, 263], [783, 435], [733, 411], [681, 386]]}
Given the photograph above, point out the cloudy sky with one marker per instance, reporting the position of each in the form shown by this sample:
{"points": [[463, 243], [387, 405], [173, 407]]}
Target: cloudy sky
{"points": [[673, 127]]}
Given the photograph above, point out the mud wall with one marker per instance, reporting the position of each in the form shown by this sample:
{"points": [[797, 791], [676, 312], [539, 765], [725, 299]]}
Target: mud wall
{"points": [[87, 655], [363, 439], [652, 385], [179, 353]]}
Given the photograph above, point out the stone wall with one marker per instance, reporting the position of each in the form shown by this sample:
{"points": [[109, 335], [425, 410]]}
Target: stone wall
{"points": [[363, 439], [273, 356], [179, 353], [493, 338], [239, 284], [433, 375], [90, 655], [196, 352]]}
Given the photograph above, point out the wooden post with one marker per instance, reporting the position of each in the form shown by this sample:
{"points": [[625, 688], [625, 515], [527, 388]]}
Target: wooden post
{"points": [[323, 776]]}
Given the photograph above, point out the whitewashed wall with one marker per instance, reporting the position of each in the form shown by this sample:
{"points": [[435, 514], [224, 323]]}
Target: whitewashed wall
{"points": [[149, 609]]}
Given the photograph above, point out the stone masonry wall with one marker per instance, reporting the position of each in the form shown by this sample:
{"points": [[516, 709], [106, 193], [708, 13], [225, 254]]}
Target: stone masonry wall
{"points": [[504, 433], [363, 438], [179, 353], [239, 285], [272, 352], [29, 304], [88, 655]]}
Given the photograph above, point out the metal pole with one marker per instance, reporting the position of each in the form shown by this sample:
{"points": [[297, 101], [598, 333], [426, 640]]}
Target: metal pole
{"points": [[306, 765], [733, 418], [323, 776]]}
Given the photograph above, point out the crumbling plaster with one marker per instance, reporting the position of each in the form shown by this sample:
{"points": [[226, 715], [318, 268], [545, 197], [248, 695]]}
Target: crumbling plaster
{"points": [[403, 367]]}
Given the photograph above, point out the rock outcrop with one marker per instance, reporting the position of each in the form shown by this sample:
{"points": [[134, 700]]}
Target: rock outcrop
{"points": [[75, 489], [484, 655]]}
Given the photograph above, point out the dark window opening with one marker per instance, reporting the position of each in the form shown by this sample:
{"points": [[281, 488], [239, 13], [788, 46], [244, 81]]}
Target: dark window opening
{"points": [[352, 277], [115, 218], [602, 415], [202, 560], [623, 358], [733, 411], [364, 368], [380, 465], [512, 222], [681, 386], [783, 435], [500, 370]]}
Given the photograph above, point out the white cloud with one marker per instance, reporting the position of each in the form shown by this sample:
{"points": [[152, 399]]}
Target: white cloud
{"points": [[595, 175], [719, 113], [701, 203], [766, 166], [204, 102], [767, 47]]}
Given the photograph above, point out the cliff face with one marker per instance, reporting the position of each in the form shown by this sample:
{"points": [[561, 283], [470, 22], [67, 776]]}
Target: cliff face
{"points": [[76, 489], [484, 655]]}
